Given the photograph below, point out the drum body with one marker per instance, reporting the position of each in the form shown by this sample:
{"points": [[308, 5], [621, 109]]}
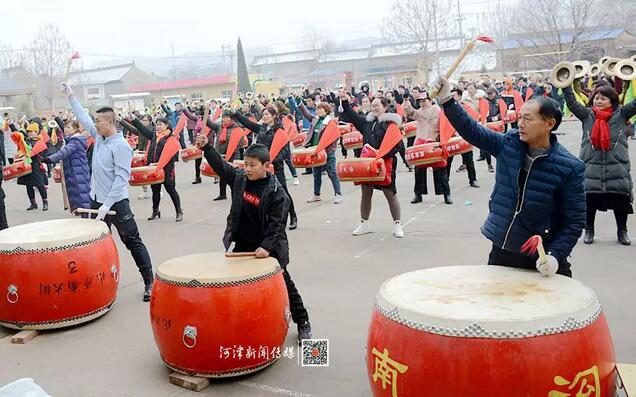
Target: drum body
{"points": [[57, 174], [511, 117], [191, 153], [15, 170], [141, 176], [488, 331], [426, 155], [300, 139], [497, 126], [57, 273], [361, 170], [305, 158], [345, 128], [457, 145], [206, 169], [353, 140], [409, 129], [206, 304], [138, 160]]}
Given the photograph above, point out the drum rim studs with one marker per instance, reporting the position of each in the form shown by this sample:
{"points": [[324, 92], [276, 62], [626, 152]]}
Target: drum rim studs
{"points": [[12, 290], [189, 331]]}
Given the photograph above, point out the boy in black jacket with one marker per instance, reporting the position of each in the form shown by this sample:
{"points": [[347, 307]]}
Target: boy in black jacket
{"points": [[258, 216]]}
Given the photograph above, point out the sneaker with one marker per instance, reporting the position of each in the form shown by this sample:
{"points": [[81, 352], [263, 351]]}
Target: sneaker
{"points": [[337, 199], [147, 292], [314, 199], [304, 331], [296, 181], [474, 184], [398, 231], [363, 228], [144, 196]]}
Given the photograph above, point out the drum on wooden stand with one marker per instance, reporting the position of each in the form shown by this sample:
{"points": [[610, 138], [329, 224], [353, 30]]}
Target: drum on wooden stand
{"points": [[150, 175], [361, 170], [57, 273], [353, 140], [424, 155], [190, 153], [457, 145], [138, 160], [488, 331], [305, 158], [205, 303], [15, 170]]}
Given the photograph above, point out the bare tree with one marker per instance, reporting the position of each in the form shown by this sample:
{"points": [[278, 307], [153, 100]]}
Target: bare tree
{"points": [[48, 59], [494, 23], [313, 41], [619, 13], [8, 56], [418, 25]]}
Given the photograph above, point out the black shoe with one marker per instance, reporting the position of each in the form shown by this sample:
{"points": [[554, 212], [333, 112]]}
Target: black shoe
{"points": [[293, 222], [304, 331], [623, 237], [417, 199], [448, 199], [179, 216], [589, 236], [33, 206], [481, 159], [409, 167], [147, 292], [196, 181], [474, 184], [155, 214], [45, 206], [221, 197], [307, 172]]}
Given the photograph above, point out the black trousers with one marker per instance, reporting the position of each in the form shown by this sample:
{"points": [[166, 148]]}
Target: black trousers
{"points": [[279, 171], [467, 159], [124, 222], [172, 192], [3, 157], [31, 192], [296, 305], [197, 168], [500, 257], [3, 213], [222, 187], [440, 181], [486, 156]]}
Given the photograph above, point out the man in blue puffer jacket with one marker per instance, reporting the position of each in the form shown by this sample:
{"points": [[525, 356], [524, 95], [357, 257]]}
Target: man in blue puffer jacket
{"points": [[539, 184]]}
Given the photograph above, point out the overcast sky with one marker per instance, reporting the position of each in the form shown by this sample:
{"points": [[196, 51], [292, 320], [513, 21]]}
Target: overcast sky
{"points": [[147, 28]]}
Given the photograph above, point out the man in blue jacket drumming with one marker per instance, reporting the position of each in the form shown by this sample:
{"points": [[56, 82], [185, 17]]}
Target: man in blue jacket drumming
{"points": [[539, 184]]}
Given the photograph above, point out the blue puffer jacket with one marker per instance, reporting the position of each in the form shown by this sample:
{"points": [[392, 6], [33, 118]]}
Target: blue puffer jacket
{"points": [[552, 204], [76, 173]]}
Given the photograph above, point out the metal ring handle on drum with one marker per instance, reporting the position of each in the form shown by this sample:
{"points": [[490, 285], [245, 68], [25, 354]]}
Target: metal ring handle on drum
{"points": [[12, 290], [115, 273], [190, 332]]}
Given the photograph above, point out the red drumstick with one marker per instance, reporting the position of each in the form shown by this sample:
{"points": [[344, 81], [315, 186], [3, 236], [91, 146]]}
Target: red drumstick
{"points": [[534, 244]]}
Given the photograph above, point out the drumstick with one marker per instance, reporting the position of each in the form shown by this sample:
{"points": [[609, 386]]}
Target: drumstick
{"points": [[535, 245], [89, 211], [239, 254]]}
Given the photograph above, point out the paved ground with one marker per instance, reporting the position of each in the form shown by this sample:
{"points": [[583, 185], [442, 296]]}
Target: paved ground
{"points": [[337, 275]]}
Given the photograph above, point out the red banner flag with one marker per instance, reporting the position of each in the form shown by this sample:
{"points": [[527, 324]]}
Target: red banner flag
{"points": [[392, 137], [235, 138], [329, 136], [183, 120], [170, 148], [278, 143]]}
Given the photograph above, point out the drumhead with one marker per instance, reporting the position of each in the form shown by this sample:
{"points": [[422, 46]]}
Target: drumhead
{"points": [[52, 234], [487, 301], [215, 267]]}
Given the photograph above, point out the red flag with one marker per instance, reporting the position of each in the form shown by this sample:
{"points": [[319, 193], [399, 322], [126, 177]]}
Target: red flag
{"points": [[485, 39], [471, 112], [183, 120], [44, 137], [484, 110], [529, 93], [290, 128], [329, 136], [392, 137], [518, 100], [217, 114], [278, 143], [446, 129], [399, 110], [39, 147], [170, 148], [235, 138]]}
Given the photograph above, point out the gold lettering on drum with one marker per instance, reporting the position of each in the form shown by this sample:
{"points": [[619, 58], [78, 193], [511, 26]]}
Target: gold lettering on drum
{"points": [[587, 381], [386, 370]]}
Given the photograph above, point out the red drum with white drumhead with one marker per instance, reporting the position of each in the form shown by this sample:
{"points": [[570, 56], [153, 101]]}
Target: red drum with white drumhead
{"points": [[57, 174], [511, 117], [361, 170], [190, 153], [353, 140], [409, 129], [457, 145], [150, 175], [497, 126], [305, 158], [426, 155], [15, 170], [138, 160], [300, 139]]}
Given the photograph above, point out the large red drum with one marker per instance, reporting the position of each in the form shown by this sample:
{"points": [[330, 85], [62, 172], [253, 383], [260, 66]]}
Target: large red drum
{"points": [[426, 155], [57, 174], [150, 175], [300, 139], [206, 308], [15, 170], [191, 153], [353, 140], [138, 160], [409, 129], [485, 331], [361, 170], [305, 158], [457, 145], [57, 273]]}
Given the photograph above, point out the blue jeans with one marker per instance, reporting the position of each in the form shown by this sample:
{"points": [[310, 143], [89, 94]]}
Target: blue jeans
{"points": [[330, 167]]}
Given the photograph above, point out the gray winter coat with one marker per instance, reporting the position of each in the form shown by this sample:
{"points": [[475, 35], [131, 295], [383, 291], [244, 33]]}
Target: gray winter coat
{"points": [[605, 172]]}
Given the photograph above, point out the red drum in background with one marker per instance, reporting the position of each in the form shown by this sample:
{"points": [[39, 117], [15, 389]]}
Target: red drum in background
{"points": [[150, 175], [409, 129], [56, 273], [361, 170], [353, 140], [205, 303], [57, 174], [305, 158], [15, 170], [191, 153], [138, 160], [511, 117], [457, 145], [345, 128], [206, 170], [426, 155], [487, 331], [300, 139], [497, 126]]}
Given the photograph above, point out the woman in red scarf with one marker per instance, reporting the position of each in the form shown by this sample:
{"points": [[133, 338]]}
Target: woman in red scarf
{"points": [[227, 128], [604, 149]]}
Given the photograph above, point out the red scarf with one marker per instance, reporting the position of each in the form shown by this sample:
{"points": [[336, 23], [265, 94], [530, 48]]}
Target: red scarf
{"points": [[600, 130], [223, 135]]}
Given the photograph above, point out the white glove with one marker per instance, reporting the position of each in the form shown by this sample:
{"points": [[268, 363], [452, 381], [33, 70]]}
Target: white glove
{"points": [[66, 89], [102, 212], [443, 88], [550, 266]]}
